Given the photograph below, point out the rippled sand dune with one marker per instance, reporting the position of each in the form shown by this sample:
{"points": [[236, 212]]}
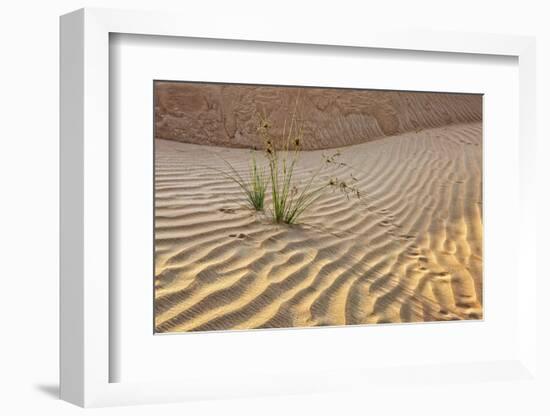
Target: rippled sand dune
{"points": [[410, 250]]}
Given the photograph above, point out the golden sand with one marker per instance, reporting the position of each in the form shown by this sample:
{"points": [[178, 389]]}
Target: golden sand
{"points": [[410, 250]]}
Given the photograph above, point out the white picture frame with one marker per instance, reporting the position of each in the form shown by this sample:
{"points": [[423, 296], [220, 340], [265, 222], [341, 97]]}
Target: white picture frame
{"points": [[85, 220]]}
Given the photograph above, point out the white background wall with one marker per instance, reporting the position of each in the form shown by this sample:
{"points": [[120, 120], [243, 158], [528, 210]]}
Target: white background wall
{"points": [[29, 57]]}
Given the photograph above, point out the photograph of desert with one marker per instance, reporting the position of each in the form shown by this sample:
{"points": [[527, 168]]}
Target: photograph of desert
{"points": [[286, 207]]}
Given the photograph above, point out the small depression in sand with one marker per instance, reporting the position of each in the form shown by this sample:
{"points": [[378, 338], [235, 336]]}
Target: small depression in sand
{"points": [[409, 250]]}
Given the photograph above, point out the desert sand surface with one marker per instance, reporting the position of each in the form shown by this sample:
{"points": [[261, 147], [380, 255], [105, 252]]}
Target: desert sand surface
{"points": [[409, 250]]}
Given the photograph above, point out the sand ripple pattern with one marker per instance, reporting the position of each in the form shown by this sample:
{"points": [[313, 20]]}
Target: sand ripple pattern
{"points": [[410, 250]]}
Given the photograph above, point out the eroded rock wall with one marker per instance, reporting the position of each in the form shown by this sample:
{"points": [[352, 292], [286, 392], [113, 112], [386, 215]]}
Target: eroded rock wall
{"points": [[226, 114]]}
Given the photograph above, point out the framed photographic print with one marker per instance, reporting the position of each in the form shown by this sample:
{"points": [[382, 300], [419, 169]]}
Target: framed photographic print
{"points": [[282, 213]]}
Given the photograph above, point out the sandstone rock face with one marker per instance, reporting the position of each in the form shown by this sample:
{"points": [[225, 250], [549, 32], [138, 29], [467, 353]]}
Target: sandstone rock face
{"points": [[227, 114]]}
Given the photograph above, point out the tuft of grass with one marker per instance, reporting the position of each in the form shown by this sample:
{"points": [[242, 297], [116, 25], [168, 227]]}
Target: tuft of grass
{"points": [[254, 187], [289, 200]]}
